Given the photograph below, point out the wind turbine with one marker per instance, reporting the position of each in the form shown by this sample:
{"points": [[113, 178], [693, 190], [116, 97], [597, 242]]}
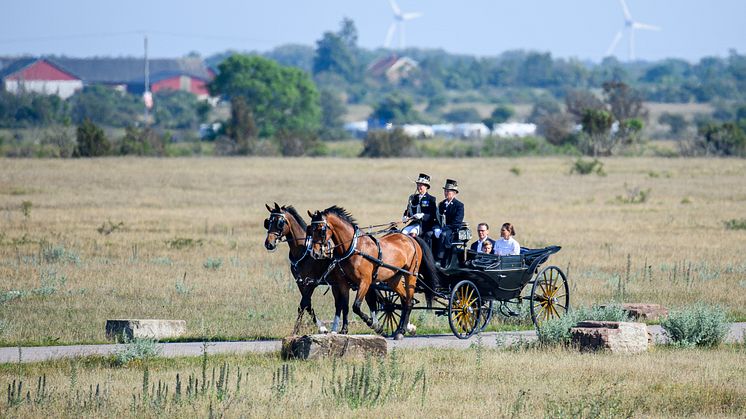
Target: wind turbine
{"points": [[398, 24], [630, 25]]}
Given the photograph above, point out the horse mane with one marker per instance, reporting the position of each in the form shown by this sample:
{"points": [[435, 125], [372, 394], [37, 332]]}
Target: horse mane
{"points": [[341, 213], [290, 209]]}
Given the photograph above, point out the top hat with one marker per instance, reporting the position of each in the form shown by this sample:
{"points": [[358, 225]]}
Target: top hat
{"points": [[423, 179], [451, 185]]}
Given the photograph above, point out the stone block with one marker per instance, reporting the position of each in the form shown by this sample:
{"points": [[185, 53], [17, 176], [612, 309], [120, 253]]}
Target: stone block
{"points": [[643, 311], [617, 337], [333, 345], [144, 328]]}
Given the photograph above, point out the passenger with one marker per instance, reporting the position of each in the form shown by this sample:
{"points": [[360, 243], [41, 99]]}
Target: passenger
{"points": [[506, 244], [450, 217], [486, 247], [483, 231], [421, 211]]}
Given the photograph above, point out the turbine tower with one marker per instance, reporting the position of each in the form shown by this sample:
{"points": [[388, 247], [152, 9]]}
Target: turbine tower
{"points": [[630, 26], [398, 24]]}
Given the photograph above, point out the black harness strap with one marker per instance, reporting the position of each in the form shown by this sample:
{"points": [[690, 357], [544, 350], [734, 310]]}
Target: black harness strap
{"points": [[380, 255]]}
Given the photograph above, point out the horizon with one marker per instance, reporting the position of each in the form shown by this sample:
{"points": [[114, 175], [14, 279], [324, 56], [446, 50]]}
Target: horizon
{"points": [[61, 30]]}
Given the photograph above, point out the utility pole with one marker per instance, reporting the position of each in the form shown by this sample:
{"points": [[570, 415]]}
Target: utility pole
{"points": [[147, 96]]}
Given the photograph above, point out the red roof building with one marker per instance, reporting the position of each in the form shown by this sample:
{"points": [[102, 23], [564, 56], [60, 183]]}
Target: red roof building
{"points": [[40, 76]]}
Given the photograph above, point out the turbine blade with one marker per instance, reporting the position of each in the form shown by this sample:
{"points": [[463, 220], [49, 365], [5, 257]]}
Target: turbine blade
{"points": [[614, 43], [389, 35], [645, 26], [625, 9], [412, 15], [395, 8]]}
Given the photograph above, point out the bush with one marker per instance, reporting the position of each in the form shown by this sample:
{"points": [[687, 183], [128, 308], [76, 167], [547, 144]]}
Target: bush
{"points": [[585, 167], [699, 325], [388, 144], [735, 224], [136, 349], [557, 331], [92, 141]]}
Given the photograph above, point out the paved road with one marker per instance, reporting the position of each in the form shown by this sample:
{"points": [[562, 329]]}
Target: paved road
{"points": [[490, 339]]}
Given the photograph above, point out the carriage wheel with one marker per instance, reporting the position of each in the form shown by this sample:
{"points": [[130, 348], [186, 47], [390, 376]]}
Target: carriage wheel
{"points": [[389, 308], [464, 309], [550, 295], [486, 314]]}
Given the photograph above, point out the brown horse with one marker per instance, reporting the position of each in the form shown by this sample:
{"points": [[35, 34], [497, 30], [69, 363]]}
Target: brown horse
{"points": [[285, 224], [395, 259]]}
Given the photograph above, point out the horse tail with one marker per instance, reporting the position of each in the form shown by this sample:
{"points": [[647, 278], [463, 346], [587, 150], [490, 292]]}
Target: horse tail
{"points": [[428, 270]]}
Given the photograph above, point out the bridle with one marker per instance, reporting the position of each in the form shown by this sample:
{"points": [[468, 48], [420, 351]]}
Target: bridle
{"points": [[326, 244]]}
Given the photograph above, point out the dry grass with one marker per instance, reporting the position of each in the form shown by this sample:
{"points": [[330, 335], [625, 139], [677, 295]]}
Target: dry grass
{"points": [[61, 278], [472, 383]]}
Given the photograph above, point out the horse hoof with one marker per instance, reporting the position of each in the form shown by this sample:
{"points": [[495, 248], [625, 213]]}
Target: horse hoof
{"points": [[399, 336], [411, 329], [323, 330]]}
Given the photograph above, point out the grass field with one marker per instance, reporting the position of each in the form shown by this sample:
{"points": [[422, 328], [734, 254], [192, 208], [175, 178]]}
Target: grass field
{"points": [[82, 241], [478, 382]]}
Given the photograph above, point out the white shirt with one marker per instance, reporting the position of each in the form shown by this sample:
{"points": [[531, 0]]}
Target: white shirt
{"points": [[507, 247]]}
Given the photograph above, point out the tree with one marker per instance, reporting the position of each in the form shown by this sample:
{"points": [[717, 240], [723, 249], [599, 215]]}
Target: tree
{"points": [[177, 109], [142, 142], [500, 114], [726, 139], [396, 109], [335, 52], [332, 111], [578, 101], [624, 102], [241, 127], [279, 97], [459, 115], [676, 122], [557, 128], [106, 106], [92, 141], [597, 125]]}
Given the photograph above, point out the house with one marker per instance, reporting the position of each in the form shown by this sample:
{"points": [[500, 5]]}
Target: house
{"points": [[40, 76], [392, 68], [471, 130], [63, 76], [514, 129]]}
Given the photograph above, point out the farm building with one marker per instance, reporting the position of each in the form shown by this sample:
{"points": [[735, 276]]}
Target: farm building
{"points": [[39, 76], [64, 76]]}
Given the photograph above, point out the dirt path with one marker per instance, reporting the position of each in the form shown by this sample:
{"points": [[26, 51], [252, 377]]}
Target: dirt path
{"points": [[490, 339]]}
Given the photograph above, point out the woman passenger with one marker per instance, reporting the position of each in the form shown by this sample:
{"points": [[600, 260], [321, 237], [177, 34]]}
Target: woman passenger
{"points": [[506, 244]]}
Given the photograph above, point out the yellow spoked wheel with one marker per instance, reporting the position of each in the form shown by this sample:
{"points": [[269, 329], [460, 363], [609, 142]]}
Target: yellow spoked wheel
{"points": [[389, 311], [550, 295], [464, 309]]}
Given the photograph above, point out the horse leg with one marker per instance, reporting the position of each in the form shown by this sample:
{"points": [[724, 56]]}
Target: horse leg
{"points": [[296, 328], [406, 290], [361, 292], [371, 298], [341, 294]]}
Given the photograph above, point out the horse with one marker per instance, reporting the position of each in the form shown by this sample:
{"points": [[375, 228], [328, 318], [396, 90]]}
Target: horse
{"points": [[285, 224], [364, 260]]}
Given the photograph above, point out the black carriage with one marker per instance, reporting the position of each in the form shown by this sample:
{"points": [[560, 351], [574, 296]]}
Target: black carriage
{"points": [[474, 285]]}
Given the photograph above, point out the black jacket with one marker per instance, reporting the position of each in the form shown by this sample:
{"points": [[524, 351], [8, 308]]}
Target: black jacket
{"points": [[474, 245], [427, 206], [454, 214]]}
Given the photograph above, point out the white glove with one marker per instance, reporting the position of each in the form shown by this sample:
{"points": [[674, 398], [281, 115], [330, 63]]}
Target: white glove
{"points": [[404, 219], [418, 216]]}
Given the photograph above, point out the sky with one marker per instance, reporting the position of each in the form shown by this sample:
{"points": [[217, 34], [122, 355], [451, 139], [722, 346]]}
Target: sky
{"points": [[583, 29]]}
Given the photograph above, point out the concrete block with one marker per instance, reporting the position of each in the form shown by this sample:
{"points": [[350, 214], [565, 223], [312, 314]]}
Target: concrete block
{"points": [[617, 337], [144, 328], [333, 345]]}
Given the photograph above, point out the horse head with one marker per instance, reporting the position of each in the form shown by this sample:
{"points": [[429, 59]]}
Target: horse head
{"points": [[320, 234], [277, 227]]}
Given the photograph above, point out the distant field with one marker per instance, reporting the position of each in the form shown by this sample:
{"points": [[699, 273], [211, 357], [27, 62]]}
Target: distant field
{"points": [[190, 242]]}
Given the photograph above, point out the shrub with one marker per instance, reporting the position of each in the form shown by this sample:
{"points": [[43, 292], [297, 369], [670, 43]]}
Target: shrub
{"points": [[634, 195], [92, 141], [136, 349], [585, 167], [699, 325], [381, 143], [736, 224], [214, 264], [557, 331]]}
